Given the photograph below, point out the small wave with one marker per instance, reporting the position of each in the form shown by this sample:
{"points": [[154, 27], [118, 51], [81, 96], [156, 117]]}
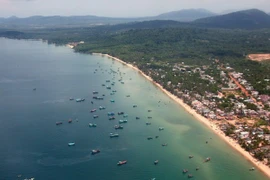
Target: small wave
{"points": [[7, 80], [54, 101], [51, 161]]}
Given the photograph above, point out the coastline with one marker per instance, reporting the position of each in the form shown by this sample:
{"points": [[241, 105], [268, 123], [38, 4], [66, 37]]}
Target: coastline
{"points": [[262, 167]]}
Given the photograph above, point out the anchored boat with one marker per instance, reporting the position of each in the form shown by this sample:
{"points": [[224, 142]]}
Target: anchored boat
{"points": [[95, 151], [123, 121], [92, 125], [120, 163], [118, 127], [71, 144], [59, 123], [80, 100], [112, 135]]}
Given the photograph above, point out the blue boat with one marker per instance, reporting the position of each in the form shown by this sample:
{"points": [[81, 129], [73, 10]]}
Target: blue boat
{"points": [[71, 144], [110, 113]]}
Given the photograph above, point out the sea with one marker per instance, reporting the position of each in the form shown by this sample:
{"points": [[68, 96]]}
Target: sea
{"points": [[37, 81]]}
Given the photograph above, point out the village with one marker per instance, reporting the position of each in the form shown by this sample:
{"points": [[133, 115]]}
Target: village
{"points": [[224, 97]]}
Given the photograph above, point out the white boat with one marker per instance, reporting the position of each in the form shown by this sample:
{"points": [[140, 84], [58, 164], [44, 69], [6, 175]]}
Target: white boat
{"points": [[71, 144]]}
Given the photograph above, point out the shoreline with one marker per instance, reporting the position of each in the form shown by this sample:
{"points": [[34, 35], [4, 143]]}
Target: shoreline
{"points": [[262, 167]]}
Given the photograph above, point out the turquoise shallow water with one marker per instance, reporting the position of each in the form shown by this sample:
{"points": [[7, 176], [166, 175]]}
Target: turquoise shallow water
{"points": [[32, 145]]}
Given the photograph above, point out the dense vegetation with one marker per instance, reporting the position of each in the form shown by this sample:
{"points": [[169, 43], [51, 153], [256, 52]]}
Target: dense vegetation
{"points": [[162, 42]]}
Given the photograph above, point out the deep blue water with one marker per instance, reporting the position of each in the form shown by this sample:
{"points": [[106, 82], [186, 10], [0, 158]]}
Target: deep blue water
{"points": [[33, 146]]}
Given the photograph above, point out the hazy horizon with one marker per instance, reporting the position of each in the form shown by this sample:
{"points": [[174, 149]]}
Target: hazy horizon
{"points": [[121, 8]]}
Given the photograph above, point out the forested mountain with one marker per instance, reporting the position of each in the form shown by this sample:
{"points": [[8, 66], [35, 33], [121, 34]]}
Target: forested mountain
{"points": [[247, 19], [61, 21], [186, 15]]}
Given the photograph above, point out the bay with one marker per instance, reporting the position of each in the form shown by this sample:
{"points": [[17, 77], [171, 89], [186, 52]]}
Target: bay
{"points": [[33, 146]]}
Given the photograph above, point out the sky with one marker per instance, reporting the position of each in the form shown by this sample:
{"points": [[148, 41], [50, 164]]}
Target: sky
{"points": [[120, 8]]}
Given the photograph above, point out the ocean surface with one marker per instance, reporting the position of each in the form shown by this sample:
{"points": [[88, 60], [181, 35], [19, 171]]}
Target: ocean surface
{"points": [[32, 145]]}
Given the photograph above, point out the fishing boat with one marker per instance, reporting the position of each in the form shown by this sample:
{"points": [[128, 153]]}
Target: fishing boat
{"points": [[80, 100], [70, 121], [125, 115], [190, 156], [94, 97], [107, 80], [149, 110], [134, 105], [112, 118], [185, 170], [120, 163], [197, 168], [157, 137], [71, 98], [120, 113], [156, 162], [137, 118], [111, 93], [34, 89], [122, 82], [92, 125], [59, 123], [149, 138], [95, 151], [95, 92], [103, 84], [100, 98], [252, 169], [101, 108], [148, 123], [95, 116], [71, 144], [118, 127], [110, 113], [190, 176], [114, 91], [93, 110], [128, 96], [149, 117], [123, 121], [164, 144], [161, 128], [108, 87], [112, 135], [207, 159]]}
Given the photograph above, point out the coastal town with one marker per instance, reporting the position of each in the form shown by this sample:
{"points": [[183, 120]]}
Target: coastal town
{"points": [[223, 96]]}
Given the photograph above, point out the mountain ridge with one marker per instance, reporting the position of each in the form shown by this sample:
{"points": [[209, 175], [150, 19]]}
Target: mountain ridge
{"points": [[245, 19]]}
